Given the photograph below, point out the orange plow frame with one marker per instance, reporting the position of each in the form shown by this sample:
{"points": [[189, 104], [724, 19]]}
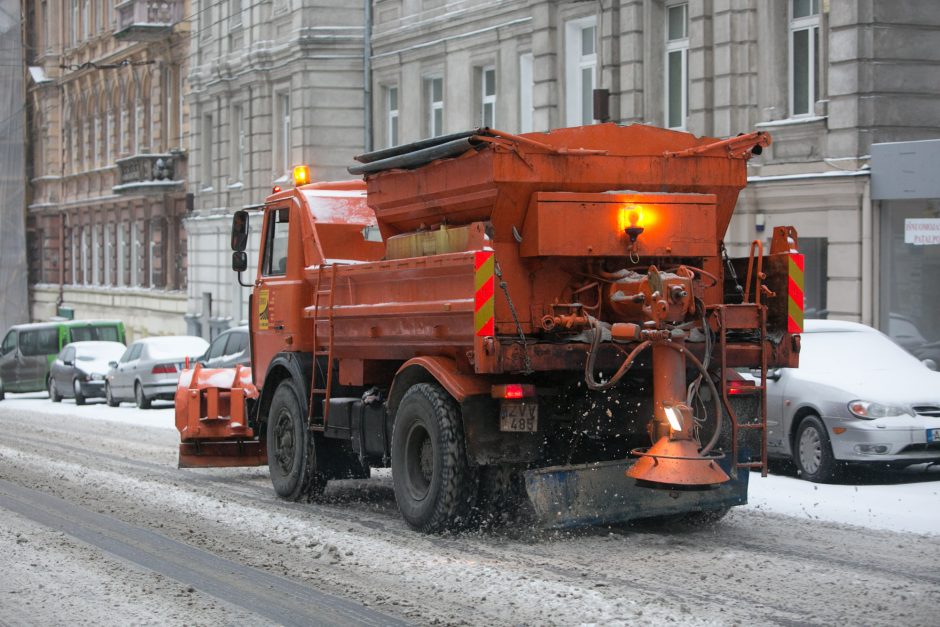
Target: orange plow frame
{"points": [[212, 419]]}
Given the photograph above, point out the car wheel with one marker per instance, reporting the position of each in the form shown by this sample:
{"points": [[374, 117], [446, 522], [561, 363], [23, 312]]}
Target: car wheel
{"points": [[77, 388], [54, 395], [813, 452], [112, 402], [3, 394], [142, 401], [434, 484], [292, 455]]}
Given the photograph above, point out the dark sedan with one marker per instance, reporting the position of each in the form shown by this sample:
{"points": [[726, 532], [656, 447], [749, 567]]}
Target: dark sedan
{"points": [[79, 370], [229, 349]]}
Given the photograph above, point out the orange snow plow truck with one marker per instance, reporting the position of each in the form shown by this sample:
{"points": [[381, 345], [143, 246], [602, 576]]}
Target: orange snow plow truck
{"points": [[546, 322]]}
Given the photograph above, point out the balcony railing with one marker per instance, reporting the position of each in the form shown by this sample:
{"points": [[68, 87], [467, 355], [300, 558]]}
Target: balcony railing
{"points": [[147, 20], [150, 173]]}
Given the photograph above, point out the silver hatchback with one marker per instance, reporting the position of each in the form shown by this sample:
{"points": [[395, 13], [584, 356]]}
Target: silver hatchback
{"points": [[856, 397], [150, 368]]}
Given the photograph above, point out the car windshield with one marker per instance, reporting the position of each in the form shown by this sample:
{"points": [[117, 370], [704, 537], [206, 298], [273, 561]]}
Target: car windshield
{"points": [[173, 347], [852, 351]]}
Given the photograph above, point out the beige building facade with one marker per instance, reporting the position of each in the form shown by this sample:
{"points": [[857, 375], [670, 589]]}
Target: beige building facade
{"points": [[107, 163], [272, 85], [827, 78]]}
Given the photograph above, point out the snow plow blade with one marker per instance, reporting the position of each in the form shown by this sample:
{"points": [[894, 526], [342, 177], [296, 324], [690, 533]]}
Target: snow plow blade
{"points": [[600, 493], [212, 418]]}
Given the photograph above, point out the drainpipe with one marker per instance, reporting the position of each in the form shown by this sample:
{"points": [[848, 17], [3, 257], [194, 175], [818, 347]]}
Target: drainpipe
{"points": [[367, 76]]}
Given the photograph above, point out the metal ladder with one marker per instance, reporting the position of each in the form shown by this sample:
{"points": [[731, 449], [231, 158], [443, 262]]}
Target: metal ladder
{"points": [[748, 316], [321, 385]]}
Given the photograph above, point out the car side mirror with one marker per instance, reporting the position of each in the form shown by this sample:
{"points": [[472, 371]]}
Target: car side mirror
{"points": [[112, 364], [930, 363], [239, 261], [775, 374], [240, 231], [68, 362]]}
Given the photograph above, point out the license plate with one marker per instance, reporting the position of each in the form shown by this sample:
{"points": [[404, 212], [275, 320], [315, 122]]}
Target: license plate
{"points": [[519, 417], [933, 435]]}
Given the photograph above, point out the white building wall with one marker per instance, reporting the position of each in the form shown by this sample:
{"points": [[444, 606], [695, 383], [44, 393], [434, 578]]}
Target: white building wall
{"points": [[311, 51]]}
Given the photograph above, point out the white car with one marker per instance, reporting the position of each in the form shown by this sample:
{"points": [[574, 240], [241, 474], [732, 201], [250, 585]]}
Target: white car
{"points": [[856, 397]]}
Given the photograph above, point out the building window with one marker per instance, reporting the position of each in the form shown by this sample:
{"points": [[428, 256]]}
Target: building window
{"points": [[136, 237], [236, 9], [804, 56], [171, 108], [86, 257], [435, 96], [580, 70], [207, 156], [86, 19], [95, 255], [391, 120], [488, 97], [239, 145], [526, 90], [108, 254], [677, 65], [282, 161], [73, 34], [121, 254]]}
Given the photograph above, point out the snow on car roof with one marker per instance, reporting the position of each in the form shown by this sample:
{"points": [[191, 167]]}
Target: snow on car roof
{"points": [[835, 326], [169, 346]]}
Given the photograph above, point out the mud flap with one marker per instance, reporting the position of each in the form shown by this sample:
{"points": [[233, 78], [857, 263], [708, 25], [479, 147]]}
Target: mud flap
{"points": [[601, 493]]}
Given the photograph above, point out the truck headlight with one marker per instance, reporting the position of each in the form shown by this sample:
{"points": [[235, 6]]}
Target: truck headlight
{"points": [[869, 410]]}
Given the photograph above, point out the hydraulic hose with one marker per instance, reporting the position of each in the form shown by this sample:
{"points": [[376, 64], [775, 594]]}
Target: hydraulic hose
{"points": [[628, 363], [715, 396], [622, 370]]}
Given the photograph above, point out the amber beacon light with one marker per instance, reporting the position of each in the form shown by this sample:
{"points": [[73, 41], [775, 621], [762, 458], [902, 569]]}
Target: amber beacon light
{"points": [[301, 175]]}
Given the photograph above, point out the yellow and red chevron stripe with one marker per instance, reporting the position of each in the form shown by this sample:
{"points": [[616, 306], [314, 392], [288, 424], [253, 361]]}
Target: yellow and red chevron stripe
{"points": [[795, 294], [484, 265]]}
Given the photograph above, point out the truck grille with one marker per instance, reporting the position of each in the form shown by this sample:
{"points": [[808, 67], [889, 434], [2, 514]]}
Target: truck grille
{"points": [[927, 410]]}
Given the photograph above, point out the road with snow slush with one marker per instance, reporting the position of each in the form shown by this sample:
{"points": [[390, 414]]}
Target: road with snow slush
{"points": [[98, 526]]}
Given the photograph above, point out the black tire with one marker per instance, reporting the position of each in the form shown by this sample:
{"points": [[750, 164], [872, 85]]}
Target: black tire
{"points": [[3, 393], [434, 485], [54, 395], [142, 401], [812, 452], [77, 390], [109, 398], [292, 454]]}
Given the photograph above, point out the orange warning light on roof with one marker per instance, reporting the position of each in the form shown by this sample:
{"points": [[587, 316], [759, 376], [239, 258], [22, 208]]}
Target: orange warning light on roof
{"points": [[301, 175]]}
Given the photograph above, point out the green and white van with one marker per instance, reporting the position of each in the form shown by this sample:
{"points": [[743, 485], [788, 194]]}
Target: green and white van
{"points": [[28, 350]]}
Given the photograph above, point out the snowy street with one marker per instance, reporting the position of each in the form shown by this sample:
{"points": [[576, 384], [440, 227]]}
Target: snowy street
{"points": [[91, 503]]}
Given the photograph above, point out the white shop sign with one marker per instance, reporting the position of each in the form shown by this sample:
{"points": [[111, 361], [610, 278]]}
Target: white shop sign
{"points": [[922, 231]]}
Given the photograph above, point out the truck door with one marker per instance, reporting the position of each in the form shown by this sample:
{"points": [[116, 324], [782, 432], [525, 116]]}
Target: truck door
{"points": [[8, 362], [274, 290], [37, 348]]}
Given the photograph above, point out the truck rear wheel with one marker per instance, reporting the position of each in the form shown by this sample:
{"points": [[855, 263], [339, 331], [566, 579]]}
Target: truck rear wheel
{"points": [[292, 459], [434, 485]]}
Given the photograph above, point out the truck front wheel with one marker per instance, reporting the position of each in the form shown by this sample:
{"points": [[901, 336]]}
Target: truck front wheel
{"points": [[292, 460], [434, 485]]}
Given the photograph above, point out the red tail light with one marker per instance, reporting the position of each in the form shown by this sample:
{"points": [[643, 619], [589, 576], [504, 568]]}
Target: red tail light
{"points": [[740, 387], [513, 391], [164, 369]]}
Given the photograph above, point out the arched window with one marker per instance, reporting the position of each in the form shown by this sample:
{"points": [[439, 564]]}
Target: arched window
{"points": [[146, 117], [116, 122]]}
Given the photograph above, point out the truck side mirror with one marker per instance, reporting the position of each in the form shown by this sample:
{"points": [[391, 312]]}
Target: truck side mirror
{"points": [[239, 232], [239, 261]]}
